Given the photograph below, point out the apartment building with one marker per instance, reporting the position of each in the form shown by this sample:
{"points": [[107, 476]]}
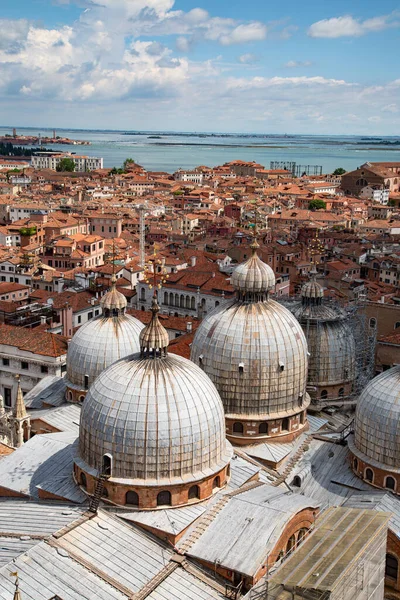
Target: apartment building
{"points": [[50, 160]]}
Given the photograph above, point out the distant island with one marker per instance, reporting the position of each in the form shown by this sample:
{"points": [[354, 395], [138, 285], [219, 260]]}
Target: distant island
{"points": [[25, 140]]}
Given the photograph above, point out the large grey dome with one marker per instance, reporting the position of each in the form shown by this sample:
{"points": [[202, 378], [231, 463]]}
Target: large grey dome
{"points": [[158, 416], [254, 350], [377, 421], [256, 354]]}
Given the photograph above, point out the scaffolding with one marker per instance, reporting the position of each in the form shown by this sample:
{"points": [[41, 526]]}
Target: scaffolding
{"points": [[295, 169], [351, 321]]}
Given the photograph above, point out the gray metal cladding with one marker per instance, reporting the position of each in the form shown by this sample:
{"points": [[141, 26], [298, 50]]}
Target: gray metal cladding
{"points": [[377, 421], [332, 353], [161, 420], [98, 344], [256, 355]]}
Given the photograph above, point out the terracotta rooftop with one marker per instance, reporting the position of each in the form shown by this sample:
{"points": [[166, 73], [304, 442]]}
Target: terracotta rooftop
{"points": [[30, 340]]}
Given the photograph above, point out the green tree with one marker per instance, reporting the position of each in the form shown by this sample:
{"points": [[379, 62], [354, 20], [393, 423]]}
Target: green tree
{"points": [[115, 171], [66, 164], [316, 204], [127, 163], [339, 171]]}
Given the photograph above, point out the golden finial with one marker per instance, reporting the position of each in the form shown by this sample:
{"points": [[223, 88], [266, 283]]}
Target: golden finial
{"points": [[17, 594], [316, 248], [155, 275]]}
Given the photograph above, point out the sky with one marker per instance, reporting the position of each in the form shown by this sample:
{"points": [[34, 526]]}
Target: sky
{"points": [[310, 67]]}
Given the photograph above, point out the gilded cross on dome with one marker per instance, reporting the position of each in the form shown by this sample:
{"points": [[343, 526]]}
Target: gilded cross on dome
{"points": [[155, 275]]}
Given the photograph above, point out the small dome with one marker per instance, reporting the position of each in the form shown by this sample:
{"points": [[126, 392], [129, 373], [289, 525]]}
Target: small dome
{"points": [[154, 337], [377, 421], [312, 289], [253, 276], [98, 344], [113, 300]]}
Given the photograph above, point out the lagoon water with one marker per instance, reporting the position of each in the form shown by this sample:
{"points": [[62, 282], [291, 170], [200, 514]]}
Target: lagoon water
{"points": [[163, 151]]}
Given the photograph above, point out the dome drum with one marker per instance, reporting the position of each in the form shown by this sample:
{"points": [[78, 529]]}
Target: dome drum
{"points": [[329, 395], [243, 431], [375, 447], [152, 497], [372, 472]]}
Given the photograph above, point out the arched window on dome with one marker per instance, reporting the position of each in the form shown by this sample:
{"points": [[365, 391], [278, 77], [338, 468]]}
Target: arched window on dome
{"points": [[302, 418], [194, 492], [355, 464], [390, 483], [237, 428], [86, 382], [372, 322], [391, 567], [341, 392], [302, 534], [164, 498], [300, 400], [70, 396], [216, 303], [285, 424], [324, 394], [290, 546], [83, 480], [216, 482], [81, 398], [369, 475], [107, 465], [132, 498], [263, 428]]}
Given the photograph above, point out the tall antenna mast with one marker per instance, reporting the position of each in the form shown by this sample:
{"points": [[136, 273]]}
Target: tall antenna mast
{"points": [[142, 236]]}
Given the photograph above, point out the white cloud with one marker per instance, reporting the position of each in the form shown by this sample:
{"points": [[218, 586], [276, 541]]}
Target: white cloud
{"points": [[293, 64], [121, 52], [242, 34], [348, 26], [248, 58]]}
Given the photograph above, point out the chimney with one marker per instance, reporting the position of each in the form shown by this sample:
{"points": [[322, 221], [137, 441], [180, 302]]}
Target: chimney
{"points": [[43, 320], [192, 261], [92, 301], [189, 327]]}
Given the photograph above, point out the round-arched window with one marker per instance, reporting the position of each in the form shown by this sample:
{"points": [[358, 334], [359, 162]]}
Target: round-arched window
{"points": [[194, 492], [390, 483], [238, 428], [164, 498], [132, 498], [369, 475]]}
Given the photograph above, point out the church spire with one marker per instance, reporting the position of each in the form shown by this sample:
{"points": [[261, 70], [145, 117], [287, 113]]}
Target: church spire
{"points": [[19, 408]]}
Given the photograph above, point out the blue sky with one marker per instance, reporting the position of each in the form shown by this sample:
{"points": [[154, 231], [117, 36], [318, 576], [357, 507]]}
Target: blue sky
{"points": [[261, 66]]}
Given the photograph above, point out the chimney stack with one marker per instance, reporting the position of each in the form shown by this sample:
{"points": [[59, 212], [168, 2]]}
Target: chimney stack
{"points": [[189, 327]]}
